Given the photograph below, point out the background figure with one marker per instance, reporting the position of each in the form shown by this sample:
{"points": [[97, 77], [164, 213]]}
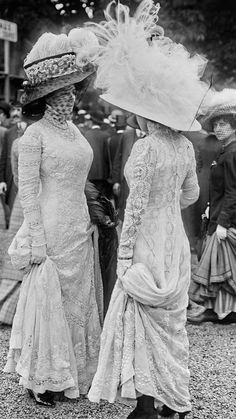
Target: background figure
{"points": [[11, 278], [103, 215], [99, 171], [120, 186], [206, 148], [189, 215], [4, 123], [7, 185], [4, 114], [16, 116], [118, 121], [215, 278]]}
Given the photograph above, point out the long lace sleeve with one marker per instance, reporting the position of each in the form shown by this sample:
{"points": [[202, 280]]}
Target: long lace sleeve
{"points": [[29, 184], [143, 164], [190, 189]]}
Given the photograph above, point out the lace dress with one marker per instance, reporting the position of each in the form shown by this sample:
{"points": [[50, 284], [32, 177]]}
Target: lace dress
{"points": [[144, 345], [56, 161]]}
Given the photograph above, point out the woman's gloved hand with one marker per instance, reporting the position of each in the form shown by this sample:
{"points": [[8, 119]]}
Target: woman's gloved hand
{"points": [[221, 233], [122, 266], [38, 254]]}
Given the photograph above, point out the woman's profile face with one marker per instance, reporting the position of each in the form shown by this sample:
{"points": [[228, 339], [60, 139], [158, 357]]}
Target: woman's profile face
{"points": [[222, 129]]}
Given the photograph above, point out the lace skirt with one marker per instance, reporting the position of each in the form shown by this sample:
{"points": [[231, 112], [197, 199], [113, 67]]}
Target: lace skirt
{"points": [[40, 346], [144, 345], [55, 336]]}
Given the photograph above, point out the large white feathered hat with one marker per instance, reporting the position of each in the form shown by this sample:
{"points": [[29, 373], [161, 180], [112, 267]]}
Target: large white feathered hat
{"points": [[144, 72], [219, 104], [56, 61]]}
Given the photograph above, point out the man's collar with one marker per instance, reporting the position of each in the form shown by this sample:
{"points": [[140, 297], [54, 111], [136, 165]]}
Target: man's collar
{"points": [[96, 126]]}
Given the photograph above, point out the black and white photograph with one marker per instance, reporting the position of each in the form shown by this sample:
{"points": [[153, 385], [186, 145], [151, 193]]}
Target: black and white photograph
{"points": [[117, 209]]}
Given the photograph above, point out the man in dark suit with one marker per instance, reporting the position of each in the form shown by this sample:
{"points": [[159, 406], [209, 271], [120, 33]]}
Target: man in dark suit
{"points": [[8, 189], [99, 171], [120, 187]]}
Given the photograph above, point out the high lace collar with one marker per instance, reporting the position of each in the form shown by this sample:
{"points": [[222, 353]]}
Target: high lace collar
{"points": [[159, 129], [55, 118]]}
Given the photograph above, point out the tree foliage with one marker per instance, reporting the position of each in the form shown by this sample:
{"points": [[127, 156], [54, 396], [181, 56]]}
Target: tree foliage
{"points": [[207, 26]]}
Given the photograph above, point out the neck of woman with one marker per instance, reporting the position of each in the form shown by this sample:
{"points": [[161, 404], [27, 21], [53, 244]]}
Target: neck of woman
{"points": [[55, 117]]}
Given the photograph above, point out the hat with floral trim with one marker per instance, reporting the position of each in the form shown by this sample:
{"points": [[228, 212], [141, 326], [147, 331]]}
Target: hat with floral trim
{"points": [[56, 61]]}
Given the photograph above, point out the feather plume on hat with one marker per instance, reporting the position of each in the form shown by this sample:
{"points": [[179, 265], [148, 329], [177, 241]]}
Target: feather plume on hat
{"points": [[146, 73]]}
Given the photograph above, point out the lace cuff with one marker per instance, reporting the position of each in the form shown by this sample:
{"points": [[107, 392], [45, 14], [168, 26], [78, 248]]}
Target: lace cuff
{"points": [[29, 184], [190, 189], [142, 160]]}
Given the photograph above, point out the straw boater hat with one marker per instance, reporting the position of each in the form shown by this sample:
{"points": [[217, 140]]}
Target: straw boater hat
{"points": [[144, 72], [220, 104], [56, 61]]}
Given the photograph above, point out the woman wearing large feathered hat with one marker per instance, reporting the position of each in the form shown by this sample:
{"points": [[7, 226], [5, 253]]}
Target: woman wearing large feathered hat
{"points": [[144, 345], [55, 335]]}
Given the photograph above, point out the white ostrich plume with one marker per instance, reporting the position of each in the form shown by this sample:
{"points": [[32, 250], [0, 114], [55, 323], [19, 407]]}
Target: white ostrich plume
{"points": [[84, 44], [137, 61], [48, 45], [80, 41]]}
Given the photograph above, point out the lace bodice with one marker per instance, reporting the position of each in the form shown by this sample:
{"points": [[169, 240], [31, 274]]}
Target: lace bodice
{"points": [[53, 167], [161, 170]]}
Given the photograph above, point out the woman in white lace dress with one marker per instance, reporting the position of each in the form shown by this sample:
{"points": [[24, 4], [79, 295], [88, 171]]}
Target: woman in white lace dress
{"points": [[55, 336], [144, 345]]}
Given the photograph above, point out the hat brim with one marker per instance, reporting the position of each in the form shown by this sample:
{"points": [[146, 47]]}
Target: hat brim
{"points": [[132, 122], [159, 115], [50, 86], [206, 121]]}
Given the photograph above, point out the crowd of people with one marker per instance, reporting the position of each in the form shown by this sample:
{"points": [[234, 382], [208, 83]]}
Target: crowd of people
{"points": [[104, 198]]}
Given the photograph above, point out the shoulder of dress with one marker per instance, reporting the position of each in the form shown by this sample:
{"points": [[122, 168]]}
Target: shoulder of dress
{"points": [[186, 142], [32, 136], [146, 141], [144, 151]]}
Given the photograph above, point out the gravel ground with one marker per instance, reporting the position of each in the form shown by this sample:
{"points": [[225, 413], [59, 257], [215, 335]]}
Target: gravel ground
{"points": [[212, 385]]}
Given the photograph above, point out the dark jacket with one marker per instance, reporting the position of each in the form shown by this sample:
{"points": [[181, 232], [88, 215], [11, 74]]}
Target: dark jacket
{"points": [[113, 145], [3, 131], [223, 189], [126, 143], [100, 166], [129, 137], [6, 174], [100, 210]]}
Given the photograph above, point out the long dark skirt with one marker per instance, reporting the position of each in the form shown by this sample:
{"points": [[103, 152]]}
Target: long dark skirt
{"points": [[215, 278]]}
